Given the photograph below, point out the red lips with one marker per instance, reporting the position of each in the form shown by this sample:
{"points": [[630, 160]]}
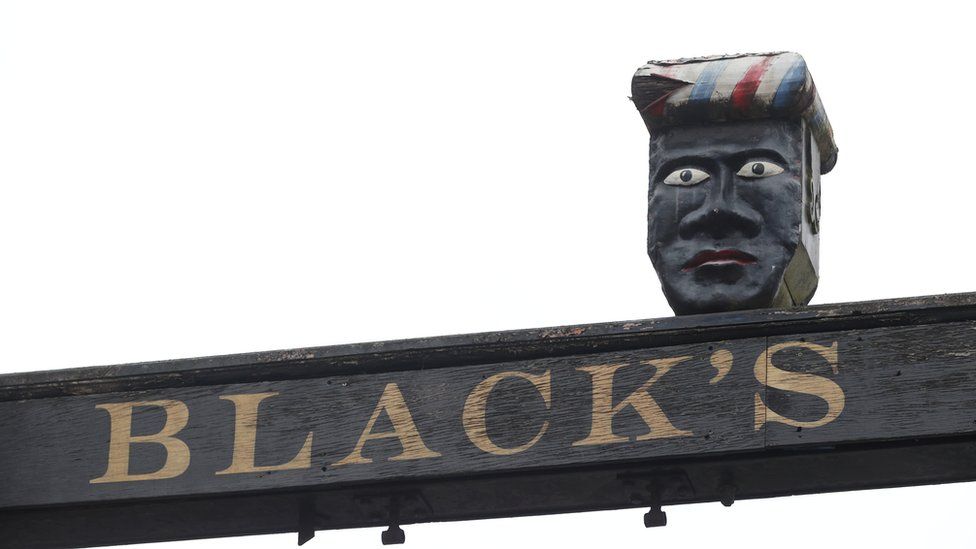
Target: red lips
{"points": [[719, 257]]}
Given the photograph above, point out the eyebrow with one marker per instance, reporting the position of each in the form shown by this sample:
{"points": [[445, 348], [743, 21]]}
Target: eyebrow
{"points": [[711, 158], [757, 153]]}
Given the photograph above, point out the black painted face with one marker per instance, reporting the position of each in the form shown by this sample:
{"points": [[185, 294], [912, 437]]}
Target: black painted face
{"points": [[725, 212]]}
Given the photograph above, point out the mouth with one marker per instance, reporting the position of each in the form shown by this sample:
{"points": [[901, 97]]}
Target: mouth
{"points": [[719, 258]]}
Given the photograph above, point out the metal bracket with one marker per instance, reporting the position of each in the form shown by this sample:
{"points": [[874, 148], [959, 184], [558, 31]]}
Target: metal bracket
{"points": [[653, 488], [727, 492], [307, 514], [395, 509]]}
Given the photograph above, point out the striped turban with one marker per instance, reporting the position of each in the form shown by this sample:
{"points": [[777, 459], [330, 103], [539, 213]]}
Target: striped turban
{"points": [[733, 87]]}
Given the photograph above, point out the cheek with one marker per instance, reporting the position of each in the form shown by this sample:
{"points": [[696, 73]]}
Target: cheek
{"points": [[668, 205], [775, 200]]}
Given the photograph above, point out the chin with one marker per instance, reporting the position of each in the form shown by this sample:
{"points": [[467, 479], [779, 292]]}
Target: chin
{"points": [[699, 299]]}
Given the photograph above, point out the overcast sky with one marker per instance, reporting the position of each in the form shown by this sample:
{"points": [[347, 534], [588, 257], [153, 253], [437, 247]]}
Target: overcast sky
{"points": [[187, 178]]}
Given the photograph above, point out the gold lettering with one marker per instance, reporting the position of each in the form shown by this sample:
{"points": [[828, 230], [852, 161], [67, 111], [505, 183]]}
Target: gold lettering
{"points": [[121, 439], [404, 429], [245, 438], [721, 360], [818, 386], [601, 428], [473, 416]]}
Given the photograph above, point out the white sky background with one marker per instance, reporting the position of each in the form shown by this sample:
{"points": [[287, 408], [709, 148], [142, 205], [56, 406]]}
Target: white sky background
{"points": [[187, 178]]}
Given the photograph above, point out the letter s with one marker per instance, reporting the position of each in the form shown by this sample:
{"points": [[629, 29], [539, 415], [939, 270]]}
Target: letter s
{"points": [[810, 384]]}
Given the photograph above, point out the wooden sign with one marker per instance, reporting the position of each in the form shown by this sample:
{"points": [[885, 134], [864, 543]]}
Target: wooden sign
{"points": [[644, 413]]}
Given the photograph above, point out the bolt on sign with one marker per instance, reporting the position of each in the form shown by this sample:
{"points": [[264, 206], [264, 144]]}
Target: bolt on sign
{"points": [[645, 413]]}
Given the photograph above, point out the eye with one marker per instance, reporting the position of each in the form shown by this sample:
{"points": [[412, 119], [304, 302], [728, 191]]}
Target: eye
{"points": [[754, 169], [686, 177]]}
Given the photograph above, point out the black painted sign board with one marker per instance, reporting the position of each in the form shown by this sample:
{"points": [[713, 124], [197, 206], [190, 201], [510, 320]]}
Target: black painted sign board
{"points": [[677, 410]]}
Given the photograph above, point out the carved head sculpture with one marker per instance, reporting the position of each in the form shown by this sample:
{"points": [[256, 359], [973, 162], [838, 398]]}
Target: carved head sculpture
{"points": [[738, 144]]}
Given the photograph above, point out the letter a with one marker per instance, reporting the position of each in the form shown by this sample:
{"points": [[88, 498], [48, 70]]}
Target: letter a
{"points": [[404, 429]]}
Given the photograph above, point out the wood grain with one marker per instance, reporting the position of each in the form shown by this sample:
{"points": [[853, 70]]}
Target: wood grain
{"points": [[551, 420], [66, 440]]}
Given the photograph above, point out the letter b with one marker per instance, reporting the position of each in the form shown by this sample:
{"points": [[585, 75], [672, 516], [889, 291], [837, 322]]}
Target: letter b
{"points": [[121, 439]]}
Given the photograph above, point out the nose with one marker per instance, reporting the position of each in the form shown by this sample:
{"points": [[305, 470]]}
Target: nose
{"points": [[722, 214]]}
